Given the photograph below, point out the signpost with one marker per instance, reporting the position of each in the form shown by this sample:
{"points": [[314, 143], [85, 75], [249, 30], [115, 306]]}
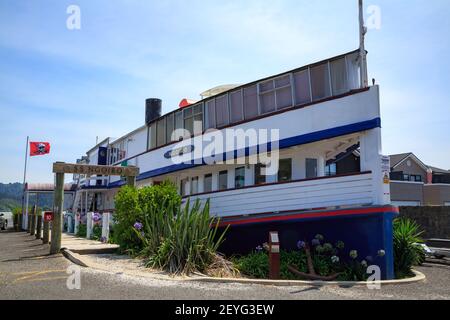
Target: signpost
{"points": [[274, 256], [60, 168], [48, 217]]}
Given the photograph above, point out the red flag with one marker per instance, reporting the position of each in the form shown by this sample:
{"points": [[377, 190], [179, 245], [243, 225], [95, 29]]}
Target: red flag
{"points": [[39, 148]]}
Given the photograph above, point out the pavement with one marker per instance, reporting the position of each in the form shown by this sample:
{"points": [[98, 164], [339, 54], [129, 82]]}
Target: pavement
{"points": [[27, 271], [85, 246]]}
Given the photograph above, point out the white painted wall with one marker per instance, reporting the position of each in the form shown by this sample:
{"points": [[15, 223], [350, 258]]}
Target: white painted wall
{"points": [[330, 192]]}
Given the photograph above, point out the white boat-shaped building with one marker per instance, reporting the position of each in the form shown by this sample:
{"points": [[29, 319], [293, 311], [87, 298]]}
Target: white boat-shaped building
{"points": [[264, 153]]}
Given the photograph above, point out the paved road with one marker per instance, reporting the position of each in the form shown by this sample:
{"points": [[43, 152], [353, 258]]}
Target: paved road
{"points": [[28, 272]]}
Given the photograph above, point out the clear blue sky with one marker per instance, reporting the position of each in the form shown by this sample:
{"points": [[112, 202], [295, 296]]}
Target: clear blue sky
{"points": [[69, 86]]}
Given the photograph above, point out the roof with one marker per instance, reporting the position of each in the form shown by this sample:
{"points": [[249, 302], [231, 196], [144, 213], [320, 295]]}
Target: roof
{"points": [[397, 159], [46, 187]]}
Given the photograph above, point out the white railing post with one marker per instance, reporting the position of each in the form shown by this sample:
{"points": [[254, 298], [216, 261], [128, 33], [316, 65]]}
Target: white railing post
{"points": [[77, 223], [69, 224], [105, 226], [89, 225]]}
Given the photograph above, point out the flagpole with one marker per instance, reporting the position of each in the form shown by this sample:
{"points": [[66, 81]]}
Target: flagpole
{"points": [[362, 49], [25, 177]]}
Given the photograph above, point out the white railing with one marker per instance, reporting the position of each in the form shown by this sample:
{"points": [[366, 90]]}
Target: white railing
{"points": [[350, 190]]}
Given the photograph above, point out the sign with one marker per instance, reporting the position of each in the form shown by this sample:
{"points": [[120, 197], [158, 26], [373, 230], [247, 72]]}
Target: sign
{"points": [[61, 167], [179, 152], [386, 169], [48, 216]]}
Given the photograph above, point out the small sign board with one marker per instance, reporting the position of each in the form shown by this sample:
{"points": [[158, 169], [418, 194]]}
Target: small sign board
{"points": [[87, 169], [48, 216]]}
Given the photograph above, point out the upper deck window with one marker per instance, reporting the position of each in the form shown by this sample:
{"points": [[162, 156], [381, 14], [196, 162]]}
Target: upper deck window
{"points": [[222, 114], [161, 132], [236, 106], [250, 102], [275, 94], [320, 82], [302, 87], [339, 76]]}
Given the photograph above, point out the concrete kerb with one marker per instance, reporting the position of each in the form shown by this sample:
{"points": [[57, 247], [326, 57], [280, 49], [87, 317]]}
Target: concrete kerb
{"points": [[82, 261]]}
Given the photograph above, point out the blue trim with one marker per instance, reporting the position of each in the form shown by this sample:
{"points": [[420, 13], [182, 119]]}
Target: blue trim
{"points": [[283, 144]]}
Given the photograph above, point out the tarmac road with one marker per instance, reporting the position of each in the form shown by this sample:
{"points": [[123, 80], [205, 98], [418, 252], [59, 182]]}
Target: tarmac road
{"points": [[28, 272]]}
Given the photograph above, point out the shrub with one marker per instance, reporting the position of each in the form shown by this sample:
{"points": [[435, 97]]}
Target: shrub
{"points": [[82, 231], [179, 240], [255, 265], [96, 232], [407, 252], [133, 205]]}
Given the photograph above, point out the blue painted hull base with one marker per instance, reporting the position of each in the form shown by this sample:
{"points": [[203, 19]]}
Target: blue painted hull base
{"points": [[366, 233]]}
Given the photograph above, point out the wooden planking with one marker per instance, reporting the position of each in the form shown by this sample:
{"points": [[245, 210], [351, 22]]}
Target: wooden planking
{"points": [[354, 190]]}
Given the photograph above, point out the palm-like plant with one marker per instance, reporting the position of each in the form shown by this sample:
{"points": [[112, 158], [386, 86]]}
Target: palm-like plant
{"points": [[407, 252]]}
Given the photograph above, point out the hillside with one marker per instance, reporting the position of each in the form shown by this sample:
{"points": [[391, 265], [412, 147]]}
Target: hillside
{"points": [[11, 197]]}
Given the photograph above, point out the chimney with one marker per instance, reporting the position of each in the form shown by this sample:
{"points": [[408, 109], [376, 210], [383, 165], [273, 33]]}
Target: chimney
{"points": [[152, 110], [429, 176]]}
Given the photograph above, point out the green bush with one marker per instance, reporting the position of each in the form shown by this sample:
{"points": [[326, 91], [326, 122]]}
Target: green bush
{"points": [[407, 252], [179, 240], [96, 232], [82, 231], [132, 205]]}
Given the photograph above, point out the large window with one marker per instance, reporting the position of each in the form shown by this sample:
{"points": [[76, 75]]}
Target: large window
{"points": [[198, 118], [320, 82], [302, 87], [184, 187], [222, 114], [285, 170], [210, 114], [237, 113], [152, 136], [194, 185], [239, 177], [275, 94], [339, 76], [207, 183], [311, 168], [179, 122], [170, 125], [250, 102], [223, 180], [331, 170], [161, 132], [188, 121], [260, 178]]}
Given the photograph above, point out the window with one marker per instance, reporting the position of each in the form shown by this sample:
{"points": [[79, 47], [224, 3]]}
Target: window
{"points": [[283, 93], [188, 121], [285, 170], [161, 132], [250, 103], [302, 88], [320, 82], [194, 185], [267, 96], [179, 122], [207, 183], [239, 177], [222, 114], [275, 94], [184, 187], [259, 177], [415, 178], [152, 136], [198, 119], [331, 170], [237, 113], [311, 168], [223, 180], [406, 177], [339, 76], [170, 125], [210, 111]]}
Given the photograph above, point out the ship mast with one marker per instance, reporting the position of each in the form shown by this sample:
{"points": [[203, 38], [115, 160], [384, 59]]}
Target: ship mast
{"points": [[362, 49]]}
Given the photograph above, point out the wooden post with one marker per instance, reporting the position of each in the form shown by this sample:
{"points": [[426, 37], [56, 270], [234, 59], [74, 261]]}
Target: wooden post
{"points": [[274, 256], [33, 221], [55, 246], [131, 181], [19, 222], [46, 232], [38, 225], [28, 222]]}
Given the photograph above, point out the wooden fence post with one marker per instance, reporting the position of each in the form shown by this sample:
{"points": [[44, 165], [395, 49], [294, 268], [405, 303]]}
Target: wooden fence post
{"points": [[55, 246], [33, 221], [38, 225]]}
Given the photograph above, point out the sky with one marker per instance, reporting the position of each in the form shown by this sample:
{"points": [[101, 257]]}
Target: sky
{"points": [[69, 87]]}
